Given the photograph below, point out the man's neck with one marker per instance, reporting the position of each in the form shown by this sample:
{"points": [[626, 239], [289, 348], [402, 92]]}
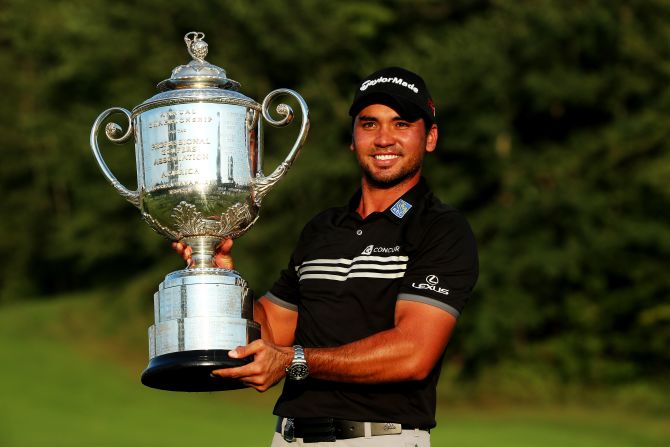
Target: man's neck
{"points": [[375, 199]]}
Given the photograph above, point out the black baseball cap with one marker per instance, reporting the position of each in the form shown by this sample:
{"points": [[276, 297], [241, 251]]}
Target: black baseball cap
{"points": [[398, 88]]}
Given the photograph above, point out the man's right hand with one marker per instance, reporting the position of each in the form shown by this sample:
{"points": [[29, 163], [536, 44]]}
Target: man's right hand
{"points": [[222, 257]]}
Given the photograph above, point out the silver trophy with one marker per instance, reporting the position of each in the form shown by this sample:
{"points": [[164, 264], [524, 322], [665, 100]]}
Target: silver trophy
{"points": [[199, 150]]}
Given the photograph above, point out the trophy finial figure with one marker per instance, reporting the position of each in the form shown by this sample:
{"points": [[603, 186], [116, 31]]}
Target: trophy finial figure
{"points": [[197, 73], [196, 46]]}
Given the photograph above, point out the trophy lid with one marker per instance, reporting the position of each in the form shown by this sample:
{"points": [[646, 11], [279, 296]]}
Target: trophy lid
{"points": [[197, 82], [198, 73]]}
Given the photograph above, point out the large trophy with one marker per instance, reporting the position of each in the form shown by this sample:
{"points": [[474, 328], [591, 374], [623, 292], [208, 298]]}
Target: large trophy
{"points": [[199, 150]]}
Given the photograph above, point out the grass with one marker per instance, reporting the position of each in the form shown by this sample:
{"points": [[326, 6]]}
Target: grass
{"points": [[64, 383], [549, 427], [65, 394]]}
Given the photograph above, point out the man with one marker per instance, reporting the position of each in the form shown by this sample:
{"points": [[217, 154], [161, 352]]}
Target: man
{"points": [[359, 321]]}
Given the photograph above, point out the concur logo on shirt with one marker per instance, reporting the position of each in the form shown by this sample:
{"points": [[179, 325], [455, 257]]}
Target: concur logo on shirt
{"points": [[372, 249], [431, 284]]}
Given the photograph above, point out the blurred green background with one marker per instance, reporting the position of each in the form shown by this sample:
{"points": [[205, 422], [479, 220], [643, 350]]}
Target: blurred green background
{"points": [[553, 119]]}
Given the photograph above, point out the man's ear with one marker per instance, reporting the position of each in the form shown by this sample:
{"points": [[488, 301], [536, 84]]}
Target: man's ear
{"points": [[431, 138]]}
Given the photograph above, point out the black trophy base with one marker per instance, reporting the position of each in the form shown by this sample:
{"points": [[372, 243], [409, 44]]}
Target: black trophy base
{"points": [[191, 371]]}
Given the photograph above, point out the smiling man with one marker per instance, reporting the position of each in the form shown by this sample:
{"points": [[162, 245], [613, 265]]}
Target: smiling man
{"points": [[359, 321]]}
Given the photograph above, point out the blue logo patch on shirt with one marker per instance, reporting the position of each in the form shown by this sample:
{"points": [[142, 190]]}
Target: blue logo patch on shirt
{"points": [[400, 208]]}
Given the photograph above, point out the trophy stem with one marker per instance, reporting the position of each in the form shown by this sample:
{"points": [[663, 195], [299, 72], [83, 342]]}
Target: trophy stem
{"points": [[203, 250]]}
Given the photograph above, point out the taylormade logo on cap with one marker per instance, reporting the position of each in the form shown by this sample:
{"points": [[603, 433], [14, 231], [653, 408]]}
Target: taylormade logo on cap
{"points": [[383, 80], [398, 88]]}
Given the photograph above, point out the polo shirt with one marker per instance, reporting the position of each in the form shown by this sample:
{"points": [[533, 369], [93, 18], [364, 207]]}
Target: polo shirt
{"points": [[344, 279]]}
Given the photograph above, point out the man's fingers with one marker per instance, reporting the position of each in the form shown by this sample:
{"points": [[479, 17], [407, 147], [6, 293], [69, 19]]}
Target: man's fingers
{"points": [[223, 261], [225, 247], [265, 369], [245, 351], [232, 373], [222, 258], [183, 250], [249, 375], [178, 247]]}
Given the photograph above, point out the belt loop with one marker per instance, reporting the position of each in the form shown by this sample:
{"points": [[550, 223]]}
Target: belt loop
{"points": [[367, 427], [288, 430], [416, 432]]}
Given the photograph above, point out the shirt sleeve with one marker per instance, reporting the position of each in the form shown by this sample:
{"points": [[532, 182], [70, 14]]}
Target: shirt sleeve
{"points": [[443, 269], [285, 290]]}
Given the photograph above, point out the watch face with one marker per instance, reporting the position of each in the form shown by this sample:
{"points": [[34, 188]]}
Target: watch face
{"points": [[298, 371]]}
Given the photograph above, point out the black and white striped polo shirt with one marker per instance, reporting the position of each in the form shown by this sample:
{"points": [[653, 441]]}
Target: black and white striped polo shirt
{"points": [[344, 279], [346, 272]]}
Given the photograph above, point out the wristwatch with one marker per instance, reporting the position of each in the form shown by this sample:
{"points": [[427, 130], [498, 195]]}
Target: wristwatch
{"points": [[298, 369]]}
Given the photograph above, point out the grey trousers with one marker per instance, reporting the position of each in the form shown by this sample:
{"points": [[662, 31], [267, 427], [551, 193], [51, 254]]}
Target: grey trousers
{"points": [[408, 438]]}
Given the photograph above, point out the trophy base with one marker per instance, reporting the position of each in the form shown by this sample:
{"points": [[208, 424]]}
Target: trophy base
{"points": [[191, 371]]}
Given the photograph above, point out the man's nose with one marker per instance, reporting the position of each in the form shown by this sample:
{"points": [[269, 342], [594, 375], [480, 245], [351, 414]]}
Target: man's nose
{"points": [[384, 137]]}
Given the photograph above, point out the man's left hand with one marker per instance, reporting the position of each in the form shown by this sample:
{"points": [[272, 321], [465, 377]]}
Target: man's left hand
{"points": [[267, 368]]}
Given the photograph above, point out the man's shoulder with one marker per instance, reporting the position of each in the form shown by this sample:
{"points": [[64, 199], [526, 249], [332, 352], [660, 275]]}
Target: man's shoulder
{"points": [[429, 206], [434, 210], [435, 219], [326, 219]]}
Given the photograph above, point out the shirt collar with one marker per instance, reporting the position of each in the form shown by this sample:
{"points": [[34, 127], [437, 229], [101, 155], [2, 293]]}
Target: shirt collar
{"points": [[399, 209]]}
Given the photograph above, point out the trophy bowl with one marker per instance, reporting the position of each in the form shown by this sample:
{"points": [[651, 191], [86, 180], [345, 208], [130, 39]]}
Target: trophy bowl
{"points": [[198, 151]]}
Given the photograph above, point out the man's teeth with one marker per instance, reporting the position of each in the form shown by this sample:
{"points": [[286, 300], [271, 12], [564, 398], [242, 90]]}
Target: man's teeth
{"points": [[385, 156]]}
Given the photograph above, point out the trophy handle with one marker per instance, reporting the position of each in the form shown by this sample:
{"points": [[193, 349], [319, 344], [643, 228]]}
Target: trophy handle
{"points": [[263, 184], [113, 132]]}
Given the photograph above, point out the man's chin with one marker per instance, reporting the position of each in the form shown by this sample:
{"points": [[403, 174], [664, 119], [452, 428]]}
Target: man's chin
{"points": [[386, 182]]}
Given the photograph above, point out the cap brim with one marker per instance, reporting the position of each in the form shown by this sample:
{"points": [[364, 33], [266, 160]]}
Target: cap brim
{"points": [[407, 110]]}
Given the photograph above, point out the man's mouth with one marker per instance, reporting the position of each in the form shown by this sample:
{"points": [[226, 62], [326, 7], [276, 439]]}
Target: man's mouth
{"points": [[383, 157]]}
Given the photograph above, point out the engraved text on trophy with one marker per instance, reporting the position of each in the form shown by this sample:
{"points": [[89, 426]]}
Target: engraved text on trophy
{"points": [[198, 153]]}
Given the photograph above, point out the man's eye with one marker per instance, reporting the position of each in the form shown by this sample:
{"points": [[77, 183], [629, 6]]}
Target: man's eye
{"points": [[402, 124], [367, 124]]}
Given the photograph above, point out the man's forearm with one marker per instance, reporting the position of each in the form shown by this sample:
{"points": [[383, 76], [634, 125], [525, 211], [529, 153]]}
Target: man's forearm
{"points": [[384, 357], [408, 351], [277, 323]]}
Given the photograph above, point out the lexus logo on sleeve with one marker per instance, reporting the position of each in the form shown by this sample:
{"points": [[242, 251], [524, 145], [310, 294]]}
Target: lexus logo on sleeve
{"points": [[431, 284]]}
